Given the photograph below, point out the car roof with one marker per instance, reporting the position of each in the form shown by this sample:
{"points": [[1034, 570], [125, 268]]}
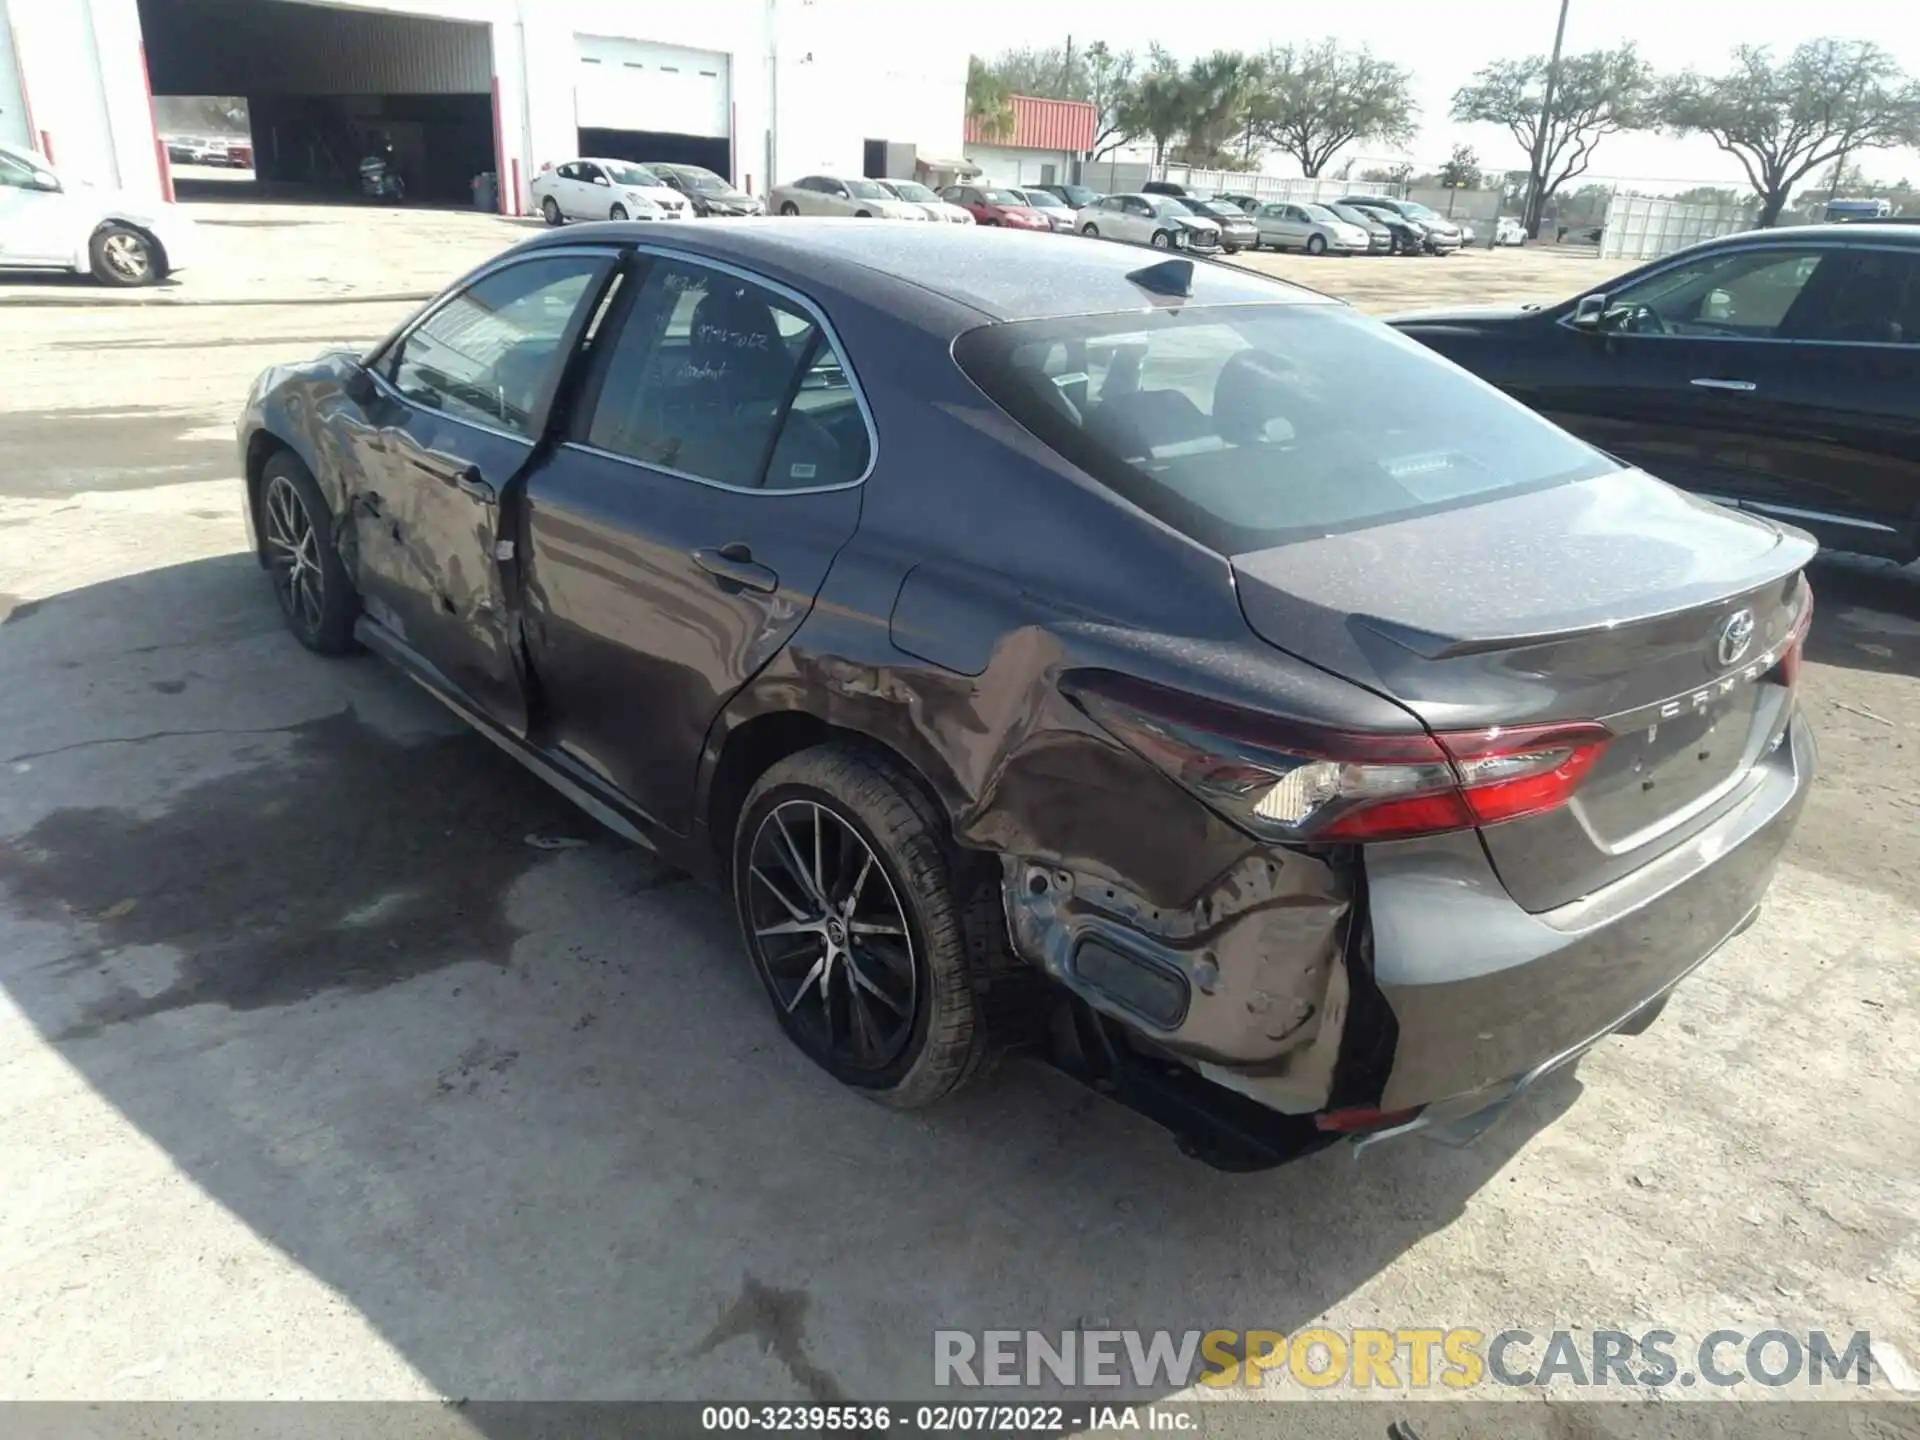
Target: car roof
{"points": [[1001, 274], [1851, 233], [611, 160]]}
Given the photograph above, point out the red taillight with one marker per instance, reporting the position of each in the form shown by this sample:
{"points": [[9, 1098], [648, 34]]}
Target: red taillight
{"points": [[1794, 656], [1286, 779]]}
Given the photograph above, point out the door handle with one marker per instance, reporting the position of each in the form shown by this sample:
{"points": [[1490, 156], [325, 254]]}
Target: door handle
{"points": [[465, 478], [1712, 383], [734, 569]]}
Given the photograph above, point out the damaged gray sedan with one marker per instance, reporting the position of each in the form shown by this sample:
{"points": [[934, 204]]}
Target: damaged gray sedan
{"points": [[1157, 667]]}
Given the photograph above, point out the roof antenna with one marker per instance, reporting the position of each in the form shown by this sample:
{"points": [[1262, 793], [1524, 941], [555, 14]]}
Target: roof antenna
{"points": [[1169, 277]]}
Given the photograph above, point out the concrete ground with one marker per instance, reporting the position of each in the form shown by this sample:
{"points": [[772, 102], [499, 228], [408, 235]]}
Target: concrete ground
{"points": [[320, 1078]]}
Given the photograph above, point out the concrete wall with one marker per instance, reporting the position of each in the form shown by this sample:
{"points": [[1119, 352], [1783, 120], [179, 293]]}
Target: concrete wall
{"points": [[812, 80]]}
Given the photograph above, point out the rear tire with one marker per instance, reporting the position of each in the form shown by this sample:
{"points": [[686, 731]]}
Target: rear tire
{"points": [[830, 840], [1316, 245], [124, 257], [550, 208], [310, 582]]}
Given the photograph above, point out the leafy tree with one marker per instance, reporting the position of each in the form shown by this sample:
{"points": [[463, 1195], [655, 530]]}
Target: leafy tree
{"points": [[1462, 170], [1099, 75], [1597, 94], [1710, 195], [1052, 72], [1157, 106], [1313, 100], [989, 101], [1782, 120], [1388, 174], [1217, 90]]}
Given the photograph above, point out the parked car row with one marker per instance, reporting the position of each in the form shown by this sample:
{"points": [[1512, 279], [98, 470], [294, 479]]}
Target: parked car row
{"points": [[601, 189], [228, 154]]}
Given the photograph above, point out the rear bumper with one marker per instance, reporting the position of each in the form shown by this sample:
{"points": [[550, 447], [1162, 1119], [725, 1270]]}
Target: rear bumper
{"points": [[1484, 994]]}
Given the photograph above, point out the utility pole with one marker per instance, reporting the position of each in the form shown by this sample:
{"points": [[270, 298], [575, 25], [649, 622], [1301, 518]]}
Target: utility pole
{"points": [[1536, 177], [1066, 70]]}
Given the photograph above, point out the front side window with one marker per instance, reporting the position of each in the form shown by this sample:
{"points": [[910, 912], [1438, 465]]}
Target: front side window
{"points": [[633, 175], [492, 353], [1251, 426], [716, 377], [1737, 294]]}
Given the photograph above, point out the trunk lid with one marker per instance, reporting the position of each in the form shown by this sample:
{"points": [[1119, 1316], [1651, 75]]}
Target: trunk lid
{"points": [[1615, 599]]}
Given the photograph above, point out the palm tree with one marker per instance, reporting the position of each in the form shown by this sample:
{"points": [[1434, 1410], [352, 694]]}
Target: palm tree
{"points": [[989, 102]]}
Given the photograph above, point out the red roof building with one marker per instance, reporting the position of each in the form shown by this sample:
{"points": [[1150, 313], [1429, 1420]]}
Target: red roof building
{"points": [[1043, 125]]}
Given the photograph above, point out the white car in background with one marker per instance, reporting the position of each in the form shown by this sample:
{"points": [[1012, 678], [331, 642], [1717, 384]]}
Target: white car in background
{"points": [[49, 221], [914, 193], [837, 195], [605, 190], [1508, 230]]}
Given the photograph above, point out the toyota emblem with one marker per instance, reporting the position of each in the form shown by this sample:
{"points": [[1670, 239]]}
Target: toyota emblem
{"points": [[1736, 634]]}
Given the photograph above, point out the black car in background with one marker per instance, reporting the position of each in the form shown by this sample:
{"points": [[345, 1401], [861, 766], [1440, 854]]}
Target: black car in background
{"points": [[1069, 646], [706, 192], [1778, 371], [1077, 197], [1237, 231]]}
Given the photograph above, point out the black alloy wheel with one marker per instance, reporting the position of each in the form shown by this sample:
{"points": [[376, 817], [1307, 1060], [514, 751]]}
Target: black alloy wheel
{"points": [[309, 581], [830, 937]]}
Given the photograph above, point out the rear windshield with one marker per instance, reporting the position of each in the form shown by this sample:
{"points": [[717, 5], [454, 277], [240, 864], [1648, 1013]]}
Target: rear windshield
{"points": [[1251, 426]]}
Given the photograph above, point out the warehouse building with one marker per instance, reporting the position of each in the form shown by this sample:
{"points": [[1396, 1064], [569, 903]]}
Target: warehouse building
{"points": [[757, 90]]}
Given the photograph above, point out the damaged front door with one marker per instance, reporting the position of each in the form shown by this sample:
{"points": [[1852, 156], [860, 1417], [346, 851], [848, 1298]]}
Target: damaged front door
{"points": [[461, 406]]}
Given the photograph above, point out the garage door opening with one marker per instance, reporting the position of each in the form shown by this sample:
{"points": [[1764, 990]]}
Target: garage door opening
{"points": [[634, 100], [640, 146], [325, 87]]}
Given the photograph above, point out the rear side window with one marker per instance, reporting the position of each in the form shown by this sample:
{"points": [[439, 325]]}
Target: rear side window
{"points": [[724, 380], [1252, 426]]}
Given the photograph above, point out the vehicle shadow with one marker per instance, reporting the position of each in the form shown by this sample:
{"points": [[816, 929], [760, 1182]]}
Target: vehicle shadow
{"points": [[1866, 614], [508, 1088]]}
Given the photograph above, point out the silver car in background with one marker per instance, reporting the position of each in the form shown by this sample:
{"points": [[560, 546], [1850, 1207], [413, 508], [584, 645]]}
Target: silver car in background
{"points": [[1237, 232], [914, 193], [1052, 208], [1156, 220], [1295, 225], [837, 195]]}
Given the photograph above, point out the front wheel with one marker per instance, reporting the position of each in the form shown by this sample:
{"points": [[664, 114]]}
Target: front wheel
{"points": [[550, 208], [1316, 245], [618, 212], [1162, 240], [848, 906], [123, 256], [787, 207], [1090, 230], [309, 581]]}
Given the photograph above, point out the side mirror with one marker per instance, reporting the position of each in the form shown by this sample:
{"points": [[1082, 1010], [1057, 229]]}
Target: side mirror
{"points": [[43, 180], [359, 386], [602, 180], [1589, 312]]}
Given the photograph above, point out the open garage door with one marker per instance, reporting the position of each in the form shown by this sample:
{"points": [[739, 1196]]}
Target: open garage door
{"points": [[323, 83], [638, 101]]}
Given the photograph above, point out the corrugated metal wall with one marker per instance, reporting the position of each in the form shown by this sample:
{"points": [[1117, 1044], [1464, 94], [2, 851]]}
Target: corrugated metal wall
{"points": [[281, 47]]}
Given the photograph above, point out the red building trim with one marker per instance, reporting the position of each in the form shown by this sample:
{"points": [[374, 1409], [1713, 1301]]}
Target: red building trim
{"points": [[1044, 125]]}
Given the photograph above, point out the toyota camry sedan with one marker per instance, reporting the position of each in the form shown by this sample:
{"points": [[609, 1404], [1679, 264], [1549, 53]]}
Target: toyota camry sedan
{"points": [[1120, 657]]}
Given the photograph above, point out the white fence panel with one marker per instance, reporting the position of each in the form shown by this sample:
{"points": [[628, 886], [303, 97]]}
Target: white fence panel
{"points": [[1645, 227]]}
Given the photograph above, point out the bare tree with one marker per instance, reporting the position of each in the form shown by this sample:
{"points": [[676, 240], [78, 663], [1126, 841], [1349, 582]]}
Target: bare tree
{"points": [[1598, 94], [1828, 100], [1109, 85], [1314, 100]]}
